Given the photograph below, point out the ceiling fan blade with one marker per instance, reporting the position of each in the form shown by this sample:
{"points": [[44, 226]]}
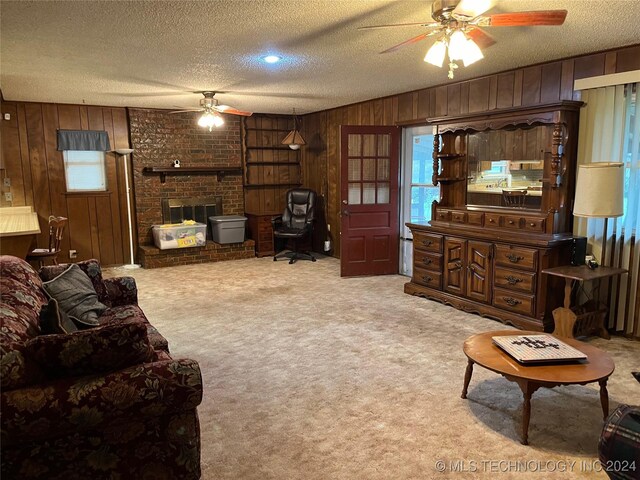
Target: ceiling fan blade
{"points": [[469, 9], [230, 110], [392, 25], [482, 38], [415, 39], [186, 110], [523, 19]]}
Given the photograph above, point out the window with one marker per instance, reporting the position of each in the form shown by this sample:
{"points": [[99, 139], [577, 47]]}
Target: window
{"points": [[85, 170]]}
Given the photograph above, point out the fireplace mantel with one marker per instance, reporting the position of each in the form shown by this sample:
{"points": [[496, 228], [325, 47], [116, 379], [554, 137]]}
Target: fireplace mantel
{"points": [[220, 172]]}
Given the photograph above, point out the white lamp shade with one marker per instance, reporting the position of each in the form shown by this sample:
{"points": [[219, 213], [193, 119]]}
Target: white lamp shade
{"points": [[435, 55], [472, 53], [457, 45], [599, 190]]}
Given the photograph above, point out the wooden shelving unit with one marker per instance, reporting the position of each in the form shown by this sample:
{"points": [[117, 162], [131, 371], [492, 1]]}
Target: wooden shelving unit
{"points": [[220, 172]]}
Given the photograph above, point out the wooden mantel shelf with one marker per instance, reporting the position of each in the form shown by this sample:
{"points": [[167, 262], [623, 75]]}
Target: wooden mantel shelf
{"points": [[220, 172]]}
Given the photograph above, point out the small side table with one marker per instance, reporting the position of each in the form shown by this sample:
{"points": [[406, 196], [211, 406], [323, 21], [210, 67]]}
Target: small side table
{"points": [[565, 318]]}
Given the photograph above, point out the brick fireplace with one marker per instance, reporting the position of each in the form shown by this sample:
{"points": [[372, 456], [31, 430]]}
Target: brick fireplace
{"points": [[158, 138]]}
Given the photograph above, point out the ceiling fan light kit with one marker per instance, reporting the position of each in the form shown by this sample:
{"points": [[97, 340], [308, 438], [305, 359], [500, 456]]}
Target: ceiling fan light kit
{"points": [[210, 120], [460, 22]]}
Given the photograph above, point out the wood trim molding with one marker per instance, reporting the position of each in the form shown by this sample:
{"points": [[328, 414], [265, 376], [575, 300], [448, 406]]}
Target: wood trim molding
{"points": [[607, 80]]}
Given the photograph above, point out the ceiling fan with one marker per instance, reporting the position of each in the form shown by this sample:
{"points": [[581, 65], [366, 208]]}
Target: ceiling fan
{"points": [[458, 23], [212, 110]]}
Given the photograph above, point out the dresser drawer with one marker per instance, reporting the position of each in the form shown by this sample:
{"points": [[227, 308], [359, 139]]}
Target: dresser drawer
{"points": [[443, 215], [458, 217], [428, 278], [516, 257], [475, 218], [534, 224], [515, 302], [430, 261], [514, 280], [491, 220], [427, 241], [511, 221]]}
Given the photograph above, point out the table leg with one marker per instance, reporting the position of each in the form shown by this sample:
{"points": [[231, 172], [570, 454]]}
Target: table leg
{"points": [[467, 378], [528, 389], [604, 398]]}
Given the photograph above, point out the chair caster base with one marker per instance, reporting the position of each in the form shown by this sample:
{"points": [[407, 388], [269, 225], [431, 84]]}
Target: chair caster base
{"points": [[294, 256]]}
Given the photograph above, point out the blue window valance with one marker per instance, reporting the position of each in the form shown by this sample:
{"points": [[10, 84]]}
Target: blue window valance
{"points": [[96, 140]]}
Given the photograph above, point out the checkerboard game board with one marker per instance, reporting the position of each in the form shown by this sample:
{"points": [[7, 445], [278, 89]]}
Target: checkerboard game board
{"points": [[537, 348]]}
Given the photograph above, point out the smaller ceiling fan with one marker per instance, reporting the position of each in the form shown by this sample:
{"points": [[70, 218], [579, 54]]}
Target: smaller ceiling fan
{"points": [[458, 23], [212, 110]]}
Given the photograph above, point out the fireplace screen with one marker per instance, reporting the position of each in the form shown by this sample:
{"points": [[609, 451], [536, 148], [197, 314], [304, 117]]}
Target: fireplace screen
{"points": [[176, 210]]}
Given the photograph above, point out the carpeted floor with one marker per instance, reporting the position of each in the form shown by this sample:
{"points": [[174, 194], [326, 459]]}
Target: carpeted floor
{"points": [[311, 376]]}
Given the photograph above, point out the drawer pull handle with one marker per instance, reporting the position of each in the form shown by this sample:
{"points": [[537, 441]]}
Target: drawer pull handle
{"points": [[511, 222], [427, 243], [511, 301], [514, 258], [427, 278], [532, 224], [427, 261], [513, 280], [491, 220]]}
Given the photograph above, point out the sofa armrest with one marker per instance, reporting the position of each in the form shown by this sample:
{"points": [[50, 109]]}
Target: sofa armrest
{"points": [[97, 350], [121, 291], [92, 403]]}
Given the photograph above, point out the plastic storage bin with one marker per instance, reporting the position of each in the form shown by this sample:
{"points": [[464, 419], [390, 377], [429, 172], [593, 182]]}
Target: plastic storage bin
{"points": [[180, 235], [227, 228]]}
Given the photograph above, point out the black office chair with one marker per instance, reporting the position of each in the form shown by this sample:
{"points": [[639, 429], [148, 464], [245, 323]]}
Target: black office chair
{"points": [[296, 223]]}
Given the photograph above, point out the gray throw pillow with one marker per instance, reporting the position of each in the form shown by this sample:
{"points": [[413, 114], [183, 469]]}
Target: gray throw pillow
{"points": [[53, 320], [76, 296]]}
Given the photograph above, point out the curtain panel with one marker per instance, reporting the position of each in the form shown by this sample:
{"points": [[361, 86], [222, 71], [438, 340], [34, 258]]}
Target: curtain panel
{"points": [[95, 140], [610, 132]]}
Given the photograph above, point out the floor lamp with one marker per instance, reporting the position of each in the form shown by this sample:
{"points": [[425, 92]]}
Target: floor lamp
{"points": [[599, 194], [124, 152]]}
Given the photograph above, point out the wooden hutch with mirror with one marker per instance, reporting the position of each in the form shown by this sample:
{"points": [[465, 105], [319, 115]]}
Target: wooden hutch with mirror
{"points": [[506, 187]]}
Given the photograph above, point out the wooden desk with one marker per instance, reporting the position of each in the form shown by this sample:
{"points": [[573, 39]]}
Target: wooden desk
{"points": [[19, 227], [565, 318], [597, 367]]}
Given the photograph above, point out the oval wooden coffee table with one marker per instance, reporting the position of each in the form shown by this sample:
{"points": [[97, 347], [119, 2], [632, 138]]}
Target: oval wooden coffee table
{"points": [[596, 368]]}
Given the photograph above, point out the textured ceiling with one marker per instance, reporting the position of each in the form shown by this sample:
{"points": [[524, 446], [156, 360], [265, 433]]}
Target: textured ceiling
{"points": [[155, 53]]}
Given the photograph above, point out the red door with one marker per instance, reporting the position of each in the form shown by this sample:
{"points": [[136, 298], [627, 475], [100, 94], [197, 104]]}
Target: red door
{"points": [[369, 232]]}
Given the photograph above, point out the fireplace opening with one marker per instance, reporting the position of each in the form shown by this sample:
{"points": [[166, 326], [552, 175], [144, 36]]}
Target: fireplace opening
{"points": [[176, 210]]}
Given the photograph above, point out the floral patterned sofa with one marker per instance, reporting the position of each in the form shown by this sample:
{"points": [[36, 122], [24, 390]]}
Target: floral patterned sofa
{"points": [[102, 403]]}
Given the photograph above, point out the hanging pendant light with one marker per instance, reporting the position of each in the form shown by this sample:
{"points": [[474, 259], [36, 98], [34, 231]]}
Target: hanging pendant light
{"points": [[294, 140]]}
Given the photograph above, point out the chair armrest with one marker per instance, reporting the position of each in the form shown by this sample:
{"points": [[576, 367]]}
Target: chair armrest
{"points": [[97, 350], [94, 403], [276, 221], [121, 291]]}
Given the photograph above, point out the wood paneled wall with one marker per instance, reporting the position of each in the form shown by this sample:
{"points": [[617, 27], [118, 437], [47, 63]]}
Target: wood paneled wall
{"points": [[528, 86], [97, 221]]}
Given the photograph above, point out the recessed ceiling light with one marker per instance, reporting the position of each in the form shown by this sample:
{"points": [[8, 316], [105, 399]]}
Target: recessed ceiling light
{"points": [[272, 58]]}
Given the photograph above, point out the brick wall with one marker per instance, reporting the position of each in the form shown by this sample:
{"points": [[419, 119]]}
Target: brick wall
{"points": [[158, 138]]}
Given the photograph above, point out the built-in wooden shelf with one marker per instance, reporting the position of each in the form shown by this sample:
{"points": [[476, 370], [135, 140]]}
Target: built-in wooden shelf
{"points": [[272, 147], [274, 185], [220, 172], [450, 156], [272, 163], [450, 179]]}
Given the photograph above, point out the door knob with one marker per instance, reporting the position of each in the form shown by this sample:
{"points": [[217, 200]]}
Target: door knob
{"points": [[345, 202]]}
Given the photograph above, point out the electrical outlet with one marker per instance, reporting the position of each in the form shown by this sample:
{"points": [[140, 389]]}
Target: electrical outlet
{"points": [[7, 116], [7, 182], [73, 253], [8, 196], [328, 227]]}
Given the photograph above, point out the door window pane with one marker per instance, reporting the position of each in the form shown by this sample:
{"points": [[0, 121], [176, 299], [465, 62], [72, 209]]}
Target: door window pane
{"points": [[383, 169], [354, 145], [383, 193], [383, 145], [369, 145], [354, 194], [84, 171], [368, 168], [368, 193], [354, 169]]}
